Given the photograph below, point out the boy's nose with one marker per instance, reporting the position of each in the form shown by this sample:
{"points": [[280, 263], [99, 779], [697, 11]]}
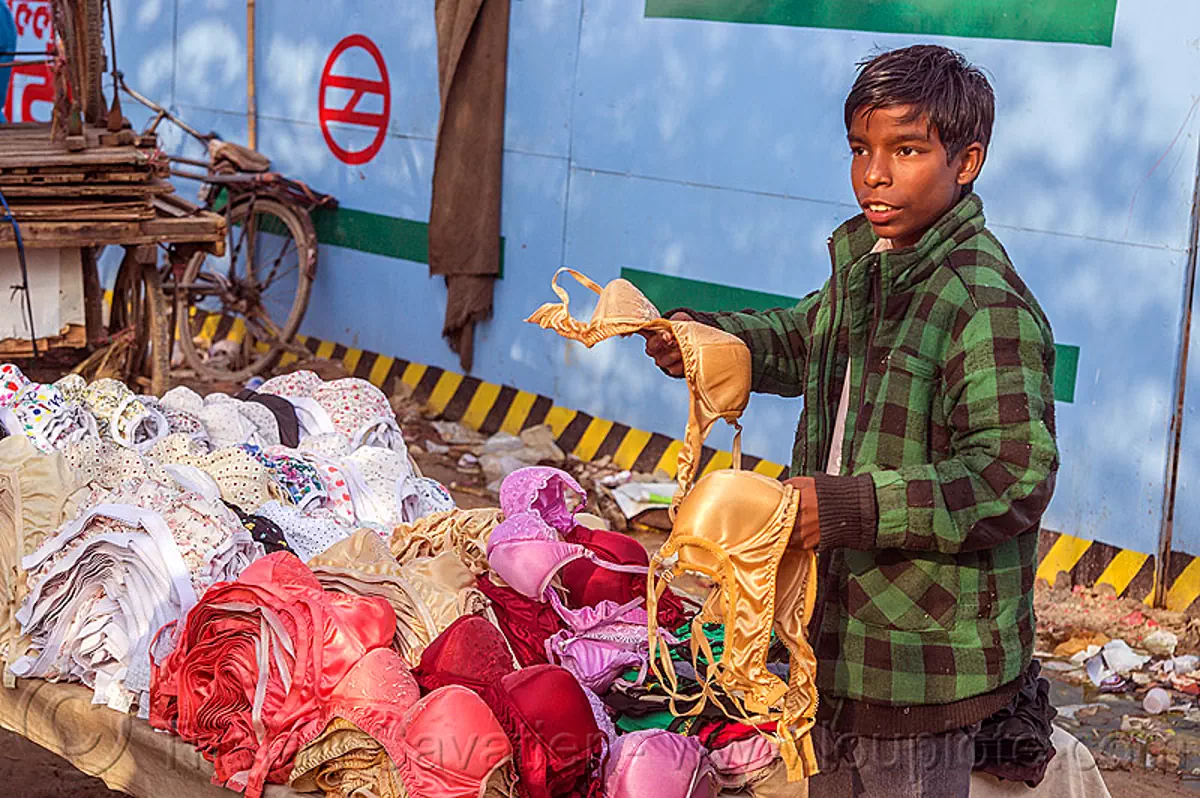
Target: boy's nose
{"points": [[877, 173]]}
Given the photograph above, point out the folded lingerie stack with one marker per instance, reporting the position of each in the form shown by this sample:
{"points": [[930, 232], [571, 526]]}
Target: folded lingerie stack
{"points": [[257, 664], [100, 588], [37, 494]]}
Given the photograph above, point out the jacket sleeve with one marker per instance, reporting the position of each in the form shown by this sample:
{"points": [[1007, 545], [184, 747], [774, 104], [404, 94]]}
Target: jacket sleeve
{"points": [[1000, 475], [778, 341]]}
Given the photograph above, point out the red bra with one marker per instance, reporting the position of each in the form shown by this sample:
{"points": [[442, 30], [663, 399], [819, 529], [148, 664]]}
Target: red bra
{"points": [[549, 720], [470, 652], [526, 623], [588, 584]]}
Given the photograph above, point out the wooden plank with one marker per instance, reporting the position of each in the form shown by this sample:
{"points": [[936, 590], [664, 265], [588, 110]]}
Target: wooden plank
{"points": [[73, 337], [92, 212], [208, 229], [73, 177], [32, 158], [152, 189]]}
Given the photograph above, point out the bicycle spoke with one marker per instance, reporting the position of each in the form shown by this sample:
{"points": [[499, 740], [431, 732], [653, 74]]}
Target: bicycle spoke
{"points": [[251, 246], [289, 241], [237, 248], [295, 267]]}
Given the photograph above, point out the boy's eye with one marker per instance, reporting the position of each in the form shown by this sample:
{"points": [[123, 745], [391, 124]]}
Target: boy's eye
{"points": [[857, 150], [908, 151]]}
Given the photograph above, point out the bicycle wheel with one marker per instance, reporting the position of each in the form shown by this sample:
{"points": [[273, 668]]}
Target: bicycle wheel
{"points": [[261, 285]]}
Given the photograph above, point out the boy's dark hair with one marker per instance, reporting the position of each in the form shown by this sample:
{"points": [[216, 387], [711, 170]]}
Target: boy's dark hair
{"points": [[934, 80]]}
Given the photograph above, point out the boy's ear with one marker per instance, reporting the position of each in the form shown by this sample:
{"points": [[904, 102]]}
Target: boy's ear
{"points": [[970, 163]]}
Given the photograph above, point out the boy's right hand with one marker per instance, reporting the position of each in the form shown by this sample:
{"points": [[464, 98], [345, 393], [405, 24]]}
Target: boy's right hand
{"points": [[664, 349]]}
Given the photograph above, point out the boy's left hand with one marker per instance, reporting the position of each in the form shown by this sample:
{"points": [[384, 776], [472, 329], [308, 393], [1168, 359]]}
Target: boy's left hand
{"points": [[806, 534]]}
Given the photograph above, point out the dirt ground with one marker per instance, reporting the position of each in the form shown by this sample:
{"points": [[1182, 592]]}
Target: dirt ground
{"points": [[30, 771]]}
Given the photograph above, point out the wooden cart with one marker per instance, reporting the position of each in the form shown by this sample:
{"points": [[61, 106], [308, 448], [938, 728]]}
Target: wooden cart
{"points": [[70, 202]]}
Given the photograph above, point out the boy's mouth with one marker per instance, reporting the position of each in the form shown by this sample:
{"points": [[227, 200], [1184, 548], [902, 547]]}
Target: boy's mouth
{"points": [[878, 213]]}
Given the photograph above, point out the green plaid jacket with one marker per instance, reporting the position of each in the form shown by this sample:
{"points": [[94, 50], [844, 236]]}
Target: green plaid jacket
{"points": [[929, 538]]}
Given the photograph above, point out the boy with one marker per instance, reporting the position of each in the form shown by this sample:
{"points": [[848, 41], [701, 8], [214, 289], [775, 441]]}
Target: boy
{"points": [[927, 436]]}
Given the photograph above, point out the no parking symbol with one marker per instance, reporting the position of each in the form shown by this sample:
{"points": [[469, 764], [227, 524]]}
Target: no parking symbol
{"points": [[350, 99]]}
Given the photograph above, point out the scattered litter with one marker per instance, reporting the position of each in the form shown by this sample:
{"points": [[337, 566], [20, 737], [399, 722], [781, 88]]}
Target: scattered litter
{"points": [[456, 434], [435, 448], [540, 446], [635, 498], [1080, 642], [497, 466], [1130, 723], [1115, 659], [616, 480], [1184, 684], [1080, 657], [1160, 643], [1070, 710], [501, 443], [468, 462], [1185, 663], [1135, 618], [1114, 684], [1058, 665], [1156, 701]]}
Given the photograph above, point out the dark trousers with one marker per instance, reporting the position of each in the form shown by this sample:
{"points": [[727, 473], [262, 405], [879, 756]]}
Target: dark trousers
{"points": [[926, 766]]}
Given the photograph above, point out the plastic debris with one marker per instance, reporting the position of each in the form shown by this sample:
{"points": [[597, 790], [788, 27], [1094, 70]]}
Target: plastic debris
{"points": [[1185, 663], [1069, 712], [1116, 658], [1156, 701], [1160, 643], [1080, 642]]}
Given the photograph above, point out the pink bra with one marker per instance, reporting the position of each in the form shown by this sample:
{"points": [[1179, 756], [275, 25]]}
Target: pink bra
{"points": [[603, 642], [542, 490], [527, 553], [659, 763], [448, 745]]}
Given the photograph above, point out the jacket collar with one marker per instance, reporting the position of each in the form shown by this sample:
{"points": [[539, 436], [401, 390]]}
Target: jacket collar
{"points": [[904, 267]]}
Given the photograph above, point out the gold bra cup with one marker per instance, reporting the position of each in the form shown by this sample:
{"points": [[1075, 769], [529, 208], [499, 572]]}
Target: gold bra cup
{"points": [[621, 310], [734, 527], [716, 364]]}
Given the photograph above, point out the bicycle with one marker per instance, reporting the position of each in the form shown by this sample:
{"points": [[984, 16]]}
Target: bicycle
{"points": [[265, 213]]}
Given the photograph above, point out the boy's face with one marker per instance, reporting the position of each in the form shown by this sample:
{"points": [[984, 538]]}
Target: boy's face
{"points": [[900, 173]]}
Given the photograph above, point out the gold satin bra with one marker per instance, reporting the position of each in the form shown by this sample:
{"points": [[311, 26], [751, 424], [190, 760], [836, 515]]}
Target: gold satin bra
{"points": [[734, 528], [716, 364]]}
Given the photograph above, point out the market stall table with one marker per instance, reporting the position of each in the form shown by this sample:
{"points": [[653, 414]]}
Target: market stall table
{"points": [[121, 750]]}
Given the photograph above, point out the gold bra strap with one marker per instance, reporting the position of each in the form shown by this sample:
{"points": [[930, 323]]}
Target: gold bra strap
{"points": [[737, 446], [582, 279]]}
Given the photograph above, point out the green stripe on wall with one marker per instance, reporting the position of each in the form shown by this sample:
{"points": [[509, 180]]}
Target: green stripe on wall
{"points": [[1077, 21], [667, 291], [373, 233], [376, 234]]}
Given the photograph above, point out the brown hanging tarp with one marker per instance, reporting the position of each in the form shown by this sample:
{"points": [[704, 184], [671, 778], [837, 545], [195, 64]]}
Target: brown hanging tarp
{"points": [[464, 220]]}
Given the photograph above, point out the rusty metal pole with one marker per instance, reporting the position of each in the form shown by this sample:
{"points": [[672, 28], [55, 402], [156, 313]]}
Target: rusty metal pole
{"points": [[1162, 565], [251, 85]]}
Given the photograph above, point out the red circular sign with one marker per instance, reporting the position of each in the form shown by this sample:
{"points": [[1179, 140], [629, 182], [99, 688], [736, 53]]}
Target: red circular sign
{"points": [[349, 114]]}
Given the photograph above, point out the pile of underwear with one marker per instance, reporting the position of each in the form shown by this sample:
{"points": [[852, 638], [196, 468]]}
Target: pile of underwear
{"points": [[120, 510], [269, 577]]}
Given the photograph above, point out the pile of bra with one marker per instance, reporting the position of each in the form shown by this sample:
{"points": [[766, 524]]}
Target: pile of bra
{"points": [[269, 577]]}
